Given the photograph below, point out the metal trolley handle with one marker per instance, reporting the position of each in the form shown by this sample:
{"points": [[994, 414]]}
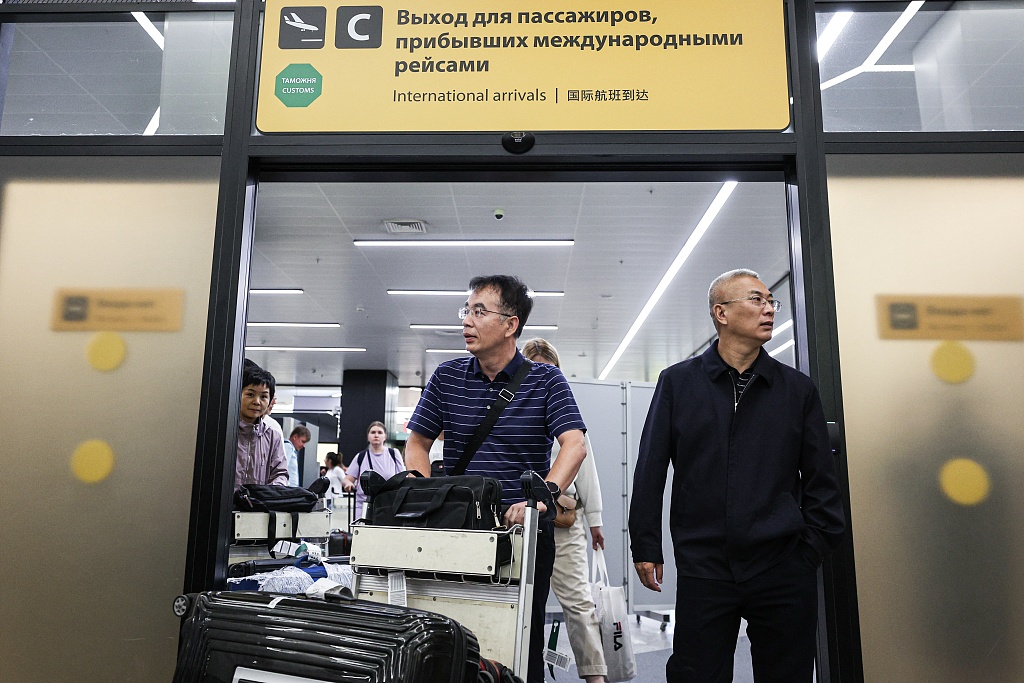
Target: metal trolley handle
{"points": [[536, 491]]}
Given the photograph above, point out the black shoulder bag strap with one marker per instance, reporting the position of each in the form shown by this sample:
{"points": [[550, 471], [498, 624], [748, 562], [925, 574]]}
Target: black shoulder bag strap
{"points": [[505, 397]]}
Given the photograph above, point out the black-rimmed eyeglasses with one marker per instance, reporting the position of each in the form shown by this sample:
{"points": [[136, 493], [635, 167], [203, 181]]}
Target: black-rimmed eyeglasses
{"points": [[479, 312], [758, 301]]}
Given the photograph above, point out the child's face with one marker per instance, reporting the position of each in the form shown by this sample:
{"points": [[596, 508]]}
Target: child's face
{"points": [[255, 400]]}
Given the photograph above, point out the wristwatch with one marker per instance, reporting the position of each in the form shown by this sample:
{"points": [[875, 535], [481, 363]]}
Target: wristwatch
{"points": [[555, 489]]}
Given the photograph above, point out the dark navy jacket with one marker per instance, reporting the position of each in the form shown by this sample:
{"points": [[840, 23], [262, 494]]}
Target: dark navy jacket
{"points": [[748, 483]]}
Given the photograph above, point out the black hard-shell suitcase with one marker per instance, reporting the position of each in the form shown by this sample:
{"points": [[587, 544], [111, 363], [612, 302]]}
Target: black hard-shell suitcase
{"points": [[235, 636]]}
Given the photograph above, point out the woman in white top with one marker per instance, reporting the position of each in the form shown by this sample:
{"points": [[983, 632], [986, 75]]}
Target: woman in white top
{"points": [[336, 474], [570, 577], [386, 462]]}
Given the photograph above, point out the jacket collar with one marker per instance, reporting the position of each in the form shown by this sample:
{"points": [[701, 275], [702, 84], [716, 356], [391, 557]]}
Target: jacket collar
{"points": [[764, 365], [257, 429], [508, 372]]}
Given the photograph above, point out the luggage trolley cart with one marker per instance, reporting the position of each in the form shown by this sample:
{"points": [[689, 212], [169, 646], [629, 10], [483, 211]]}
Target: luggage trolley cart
{"points": [[469, 576]]}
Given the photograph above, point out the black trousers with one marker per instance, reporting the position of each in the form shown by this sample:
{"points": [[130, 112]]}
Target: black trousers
{"points": [[541, 585], [781, 609]]}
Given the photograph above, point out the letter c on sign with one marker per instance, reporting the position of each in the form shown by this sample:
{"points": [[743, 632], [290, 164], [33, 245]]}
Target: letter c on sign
{"points": [[355, 35]]}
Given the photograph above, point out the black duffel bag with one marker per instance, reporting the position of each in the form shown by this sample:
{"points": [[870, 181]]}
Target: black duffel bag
{"points": [[270, 498], [464, 502]]}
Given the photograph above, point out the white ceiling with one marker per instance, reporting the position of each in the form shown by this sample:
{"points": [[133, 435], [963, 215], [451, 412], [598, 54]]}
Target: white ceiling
{"points": [[626, 236]]}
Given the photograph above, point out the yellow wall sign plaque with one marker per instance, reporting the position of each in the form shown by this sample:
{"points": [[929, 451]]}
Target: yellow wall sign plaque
{"points": [[455, 65], [984, 318], [118, 310]]}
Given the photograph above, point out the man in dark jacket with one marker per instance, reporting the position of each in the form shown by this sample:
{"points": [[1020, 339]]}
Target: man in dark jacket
{"points": [[755, 500]]}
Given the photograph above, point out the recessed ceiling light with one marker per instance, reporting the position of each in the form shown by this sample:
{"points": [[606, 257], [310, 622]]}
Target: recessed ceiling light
{"points": [[336, 349], [271, 324], [691, 243], [275, 291], [463, 243]]}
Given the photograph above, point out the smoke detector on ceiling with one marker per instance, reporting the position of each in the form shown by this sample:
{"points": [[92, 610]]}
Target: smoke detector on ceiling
{"points": [[410, 226]]}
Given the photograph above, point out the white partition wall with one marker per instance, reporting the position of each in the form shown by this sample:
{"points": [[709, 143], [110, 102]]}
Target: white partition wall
{"points": [[614, 413], [638, 398]]}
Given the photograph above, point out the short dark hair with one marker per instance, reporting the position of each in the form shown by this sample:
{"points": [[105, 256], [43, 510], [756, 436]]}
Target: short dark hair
{"points": [[333, 459], [302, 431], [513, 295], [255, 376]]}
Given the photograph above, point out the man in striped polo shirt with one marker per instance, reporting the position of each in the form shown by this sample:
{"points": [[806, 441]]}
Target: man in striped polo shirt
{"points": [[457, 398]]}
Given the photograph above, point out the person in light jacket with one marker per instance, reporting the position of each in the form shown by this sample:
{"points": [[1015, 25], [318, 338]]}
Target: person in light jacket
{"points": [[570, 578]]}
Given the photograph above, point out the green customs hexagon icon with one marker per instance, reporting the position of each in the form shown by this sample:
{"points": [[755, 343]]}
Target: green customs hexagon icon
{"points": [[298, 85]]}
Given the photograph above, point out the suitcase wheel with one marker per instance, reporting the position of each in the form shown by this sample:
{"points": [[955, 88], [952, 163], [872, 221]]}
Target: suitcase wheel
{"points": [[181, 605]]}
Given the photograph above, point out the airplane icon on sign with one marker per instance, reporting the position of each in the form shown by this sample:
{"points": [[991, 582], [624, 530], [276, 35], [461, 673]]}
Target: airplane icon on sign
{"points": [[295, 22]]}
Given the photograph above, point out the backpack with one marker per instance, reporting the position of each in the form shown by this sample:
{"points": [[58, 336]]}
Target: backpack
{"points": [[392, 451]]}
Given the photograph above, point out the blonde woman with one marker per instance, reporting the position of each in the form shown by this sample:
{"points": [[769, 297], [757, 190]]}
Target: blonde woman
{"points": [[570, 579]]}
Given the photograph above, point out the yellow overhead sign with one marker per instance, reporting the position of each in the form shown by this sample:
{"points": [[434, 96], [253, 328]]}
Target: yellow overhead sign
{"points": [[455, 65]]}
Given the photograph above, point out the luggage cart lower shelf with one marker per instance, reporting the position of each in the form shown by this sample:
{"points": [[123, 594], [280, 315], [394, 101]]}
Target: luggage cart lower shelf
{"points": [[482, 579]]}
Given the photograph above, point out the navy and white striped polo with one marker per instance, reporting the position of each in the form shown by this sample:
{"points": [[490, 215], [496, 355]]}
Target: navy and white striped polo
{"points": [[457, 398]]}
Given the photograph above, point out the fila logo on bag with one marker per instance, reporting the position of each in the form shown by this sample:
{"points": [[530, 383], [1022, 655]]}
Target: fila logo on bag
{"points": [[617, 635]]}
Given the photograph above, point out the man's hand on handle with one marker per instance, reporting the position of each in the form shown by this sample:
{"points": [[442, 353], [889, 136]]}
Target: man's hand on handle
{"points": [[650, 574], [517, 513]]}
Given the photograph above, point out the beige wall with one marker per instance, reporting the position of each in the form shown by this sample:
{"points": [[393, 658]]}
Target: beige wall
{"points": [[90, 570], [940, 584]]}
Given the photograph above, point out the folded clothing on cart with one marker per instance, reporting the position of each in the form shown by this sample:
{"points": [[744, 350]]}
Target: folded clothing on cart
{"points": [[294, 579]]}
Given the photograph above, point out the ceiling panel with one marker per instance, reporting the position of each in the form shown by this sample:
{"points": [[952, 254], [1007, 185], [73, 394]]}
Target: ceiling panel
{"points": [[626, 236]]}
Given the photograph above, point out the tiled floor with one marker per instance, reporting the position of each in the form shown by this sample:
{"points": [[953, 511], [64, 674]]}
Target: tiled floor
{"points": [[652, 647]]}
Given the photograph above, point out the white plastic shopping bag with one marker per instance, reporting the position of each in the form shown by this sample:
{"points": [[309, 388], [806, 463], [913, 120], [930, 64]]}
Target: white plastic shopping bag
{"points": [[611, 612]]}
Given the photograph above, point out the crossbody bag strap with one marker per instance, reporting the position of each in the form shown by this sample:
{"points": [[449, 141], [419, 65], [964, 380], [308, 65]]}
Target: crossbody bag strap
{"points": [[505, 397]]}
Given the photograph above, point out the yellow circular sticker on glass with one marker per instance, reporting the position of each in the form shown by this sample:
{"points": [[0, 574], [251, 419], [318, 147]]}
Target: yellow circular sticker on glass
{"points": [[106, 351], [964, 481], [93, 461], [952, 362]]}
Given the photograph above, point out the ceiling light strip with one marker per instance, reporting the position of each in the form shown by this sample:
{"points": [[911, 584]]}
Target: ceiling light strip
{"points": [[782, 348], [149, 28], [422, 326], [459, 351], [276, 291], [782, 328], [428, 292], [893, 32], [463, 243], [456, 292], [154, 123], [883, 45], [684, 253], [272, 324], [329, 349], [832, 30]]}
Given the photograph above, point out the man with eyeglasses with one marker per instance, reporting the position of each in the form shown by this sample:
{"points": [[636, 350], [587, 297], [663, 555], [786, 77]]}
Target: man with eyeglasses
{"points": [[459, 395], [755, 498]]}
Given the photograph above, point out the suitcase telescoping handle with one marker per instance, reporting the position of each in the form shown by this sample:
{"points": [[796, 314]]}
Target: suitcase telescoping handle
{"points": [[536, 491]]}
